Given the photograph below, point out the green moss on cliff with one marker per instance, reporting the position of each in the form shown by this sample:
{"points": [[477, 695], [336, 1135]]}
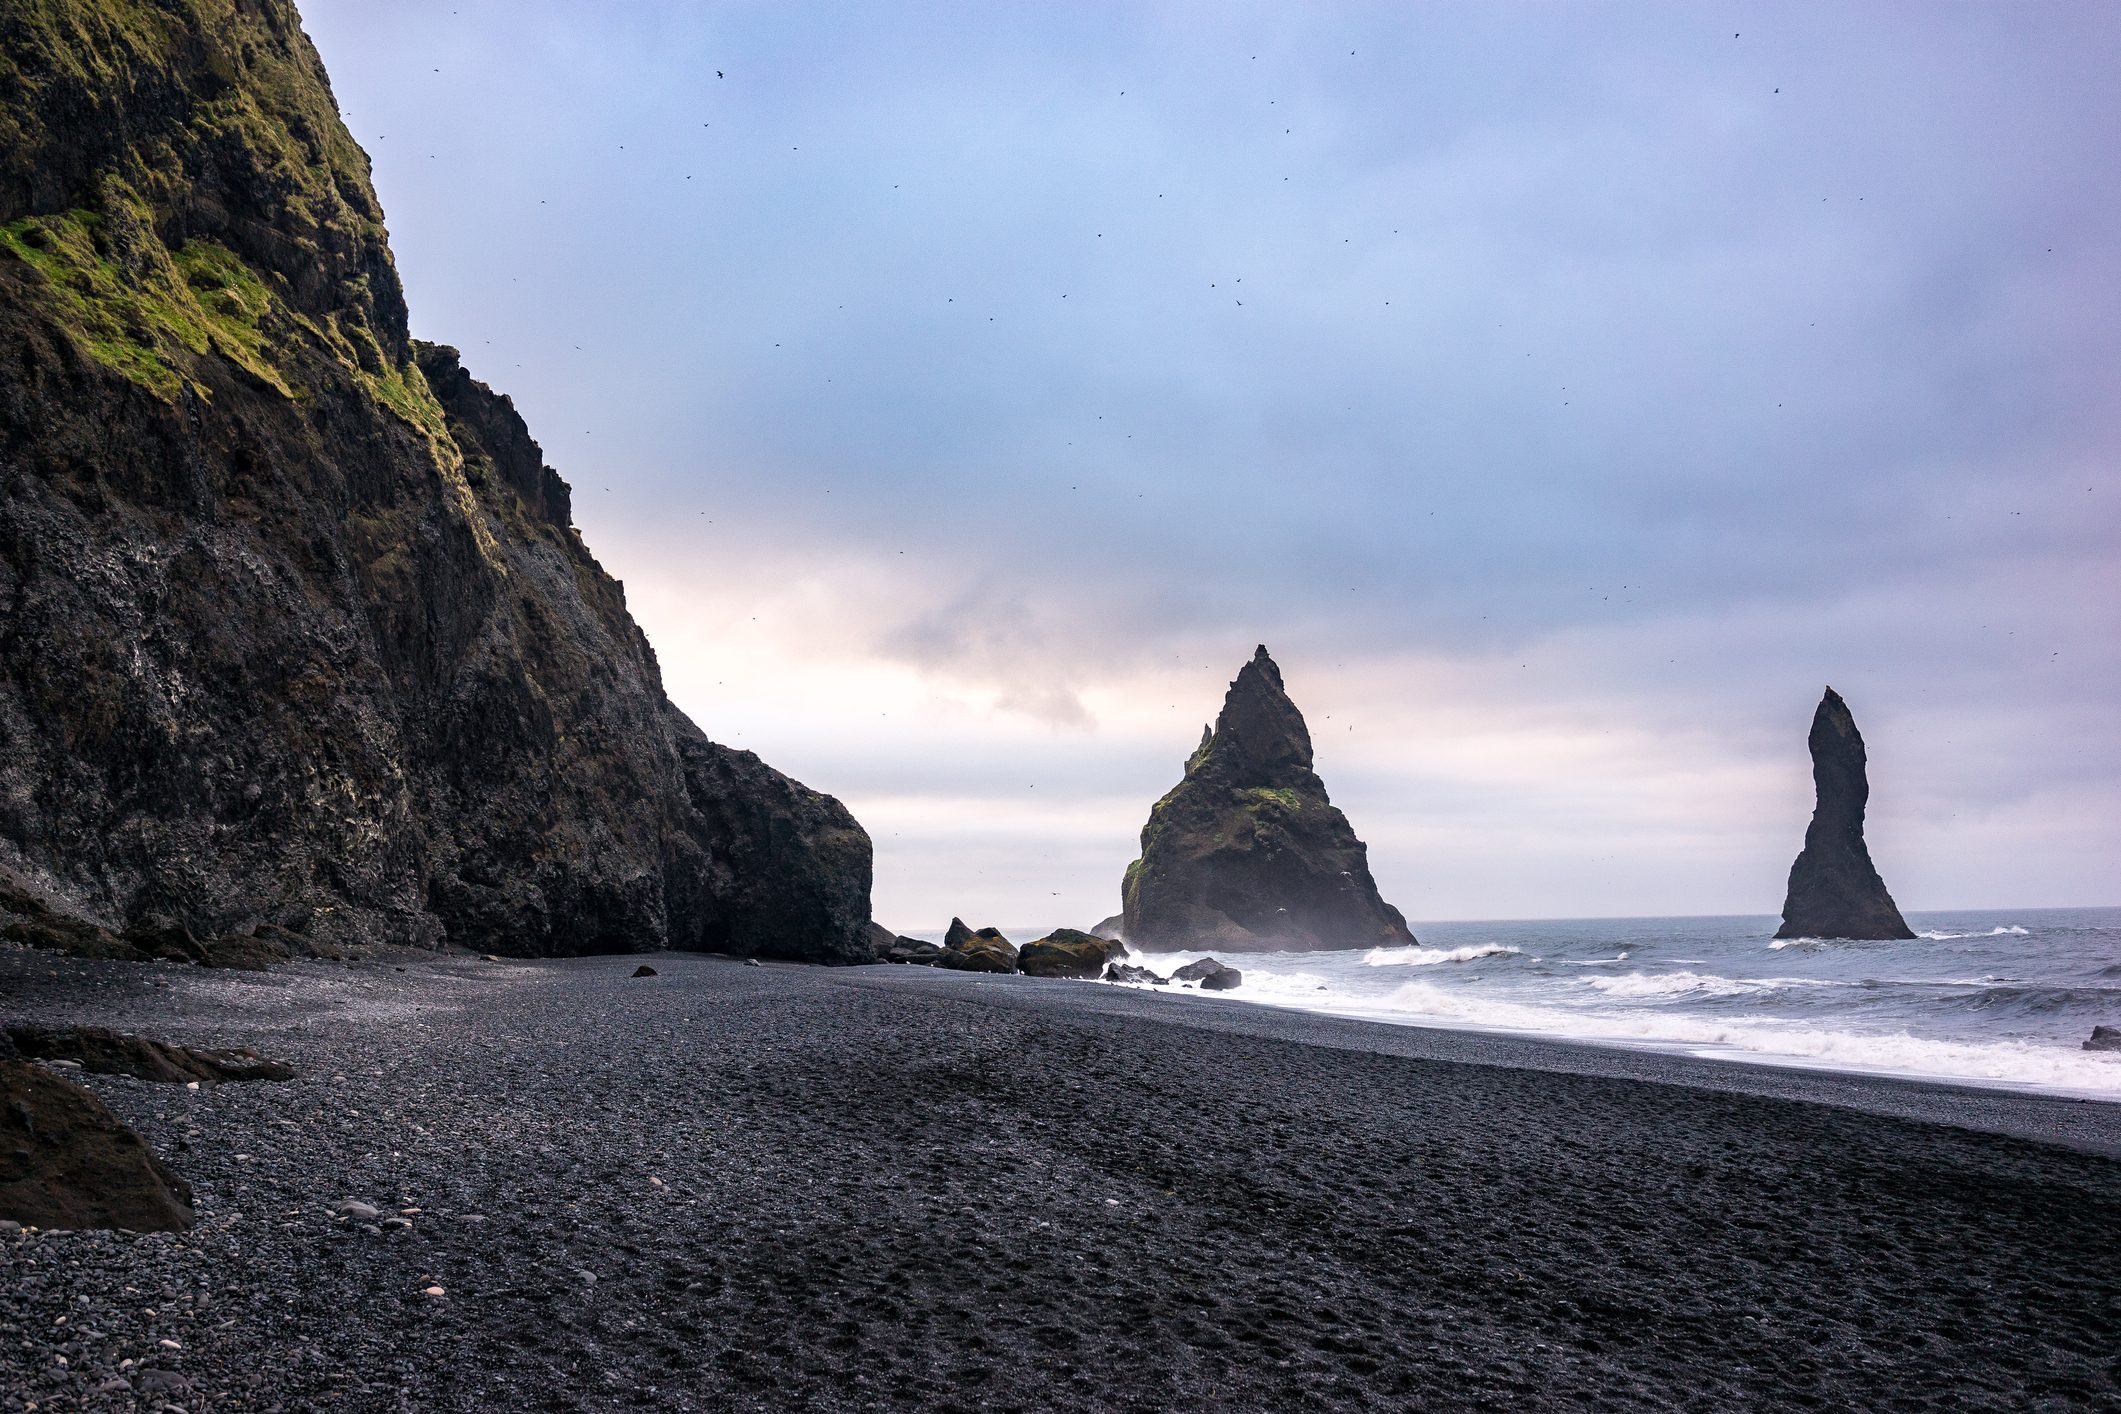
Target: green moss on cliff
{"points": [[132, 307]]}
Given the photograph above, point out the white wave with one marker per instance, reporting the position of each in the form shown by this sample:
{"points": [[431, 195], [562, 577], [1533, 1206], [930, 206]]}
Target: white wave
{"points": [[1667, 984], [2007, 928], [1940, 937], [1429, 957], [2021, 1064]]}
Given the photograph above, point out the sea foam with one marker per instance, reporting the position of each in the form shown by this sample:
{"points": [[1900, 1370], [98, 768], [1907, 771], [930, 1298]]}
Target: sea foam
{"points": [[1429, 957]]}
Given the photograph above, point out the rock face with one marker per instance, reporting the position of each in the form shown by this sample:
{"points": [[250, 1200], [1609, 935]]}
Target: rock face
{"points": [[108, 1053], [1110, 927], [1247, 853], [983, 951], [1066, 952], [1835, 891], [2104, 1038], [66, 1161], [297, 630]]}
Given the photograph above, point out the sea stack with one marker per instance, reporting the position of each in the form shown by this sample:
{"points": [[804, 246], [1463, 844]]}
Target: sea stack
{"points": [[1835, 891], [300, 632], [1246, 854]]}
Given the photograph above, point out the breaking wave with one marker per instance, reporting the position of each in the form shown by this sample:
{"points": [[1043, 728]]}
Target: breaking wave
{"points": [[1429, 957]]}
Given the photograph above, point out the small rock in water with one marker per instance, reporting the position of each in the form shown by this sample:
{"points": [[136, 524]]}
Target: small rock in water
{"points": [[1128, 972], [2104, 1038], [1209, 975], [644, 970]]}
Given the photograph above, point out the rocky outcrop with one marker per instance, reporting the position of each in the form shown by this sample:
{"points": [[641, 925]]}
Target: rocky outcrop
{"points": [[1247, 853], [67, 1162], [985, 950], [107, 1052], [295, 631], [1210, 975], [1133, 975], [1065, 952], [2104, 1038], [1835, 891], [1110, 927], [916, 951]]}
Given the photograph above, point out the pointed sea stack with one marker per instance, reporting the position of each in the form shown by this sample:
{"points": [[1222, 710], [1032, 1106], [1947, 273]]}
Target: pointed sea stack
{"points": [[1835, 891], [1247, 853]]}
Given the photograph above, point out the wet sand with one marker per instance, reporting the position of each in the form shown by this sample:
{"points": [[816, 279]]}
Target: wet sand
{"points": [[893, 1188]]}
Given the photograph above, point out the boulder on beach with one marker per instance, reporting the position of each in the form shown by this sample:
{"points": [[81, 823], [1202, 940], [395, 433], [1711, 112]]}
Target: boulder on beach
{"points": [[106, 1052], [644, 970], [1065, 952], [1138, 976], [1246, 853], [2104, 1038], [1209, 975], [916, 952], [67, 1162], [984, 950], [1835, 891]]}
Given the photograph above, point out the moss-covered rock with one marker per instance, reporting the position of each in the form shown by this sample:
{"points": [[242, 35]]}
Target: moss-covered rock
{"points": [[1247, 852], [1065, 952], [982, 950]]}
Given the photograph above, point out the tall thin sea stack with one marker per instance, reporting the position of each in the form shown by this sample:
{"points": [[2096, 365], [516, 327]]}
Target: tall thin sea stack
{"points": [[1835, 891], [1246, 854]]}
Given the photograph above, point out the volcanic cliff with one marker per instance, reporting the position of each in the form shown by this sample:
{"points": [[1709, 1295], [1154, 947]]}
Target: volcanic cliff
{"points": [[294, 626], [1835, 891], [1247, 853]]}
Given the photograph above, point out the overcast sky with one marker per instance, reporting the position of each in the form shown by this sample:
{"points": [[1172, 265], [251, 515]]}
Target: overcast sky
{"points": [[1564, 393]]}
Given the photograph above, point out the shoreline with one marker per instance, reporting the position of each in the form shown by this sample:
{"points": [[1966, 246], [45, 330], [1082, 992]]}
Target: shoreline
{"points": [[1711, 1052], [2088, 1123], [732, 1187]]}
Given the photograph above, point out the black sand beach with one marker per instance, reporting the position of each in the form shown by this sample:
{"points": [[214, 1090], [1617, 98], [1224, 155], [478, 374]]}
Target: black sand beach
{"points": [[788, 1187]]}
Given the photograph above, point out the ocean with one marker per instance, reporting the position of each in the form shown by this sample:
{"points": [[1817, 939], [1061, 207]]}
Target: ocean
{"points": [[1998, 997]]}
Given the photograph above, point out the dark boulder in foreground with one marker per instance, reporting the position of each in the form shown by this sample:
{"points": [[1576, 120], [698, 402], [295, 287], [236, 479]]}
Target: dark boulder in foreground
{"points": [[2104, 1038], [108, 1053], [67, 1162], [1137, 976], [986, 950], [1210, 975], [1065, 952], [644, 970], [298, 627], [1835, 891], [1247, 853]]}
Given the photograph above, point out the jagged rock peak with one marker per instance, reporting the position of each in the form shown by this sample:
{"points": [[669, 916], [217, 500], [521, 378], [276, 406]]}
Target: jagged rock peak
{"points": [[1835, 891], [1247, 852]]}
